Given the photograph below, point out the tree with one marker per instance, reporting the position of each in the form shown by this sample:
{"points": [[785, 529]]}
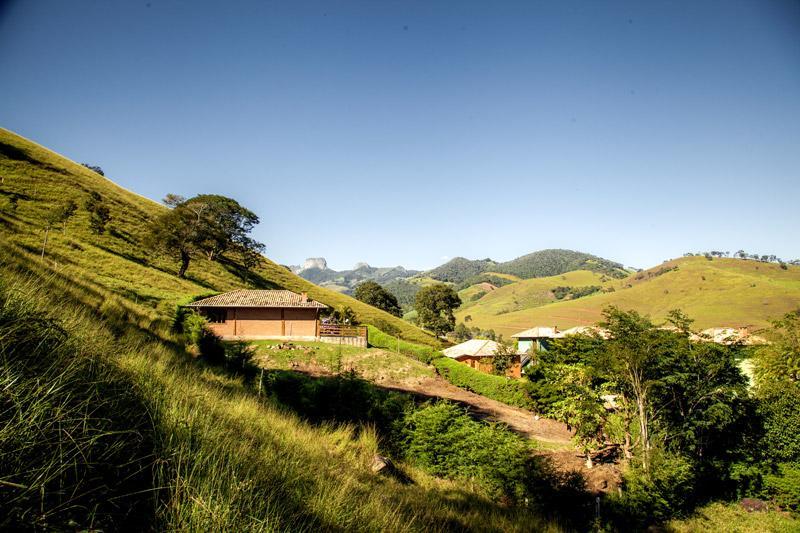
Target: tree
{"points": [[778, 364], [57, 215], [461, 332], [503, 358], [211, 225], [99, 213], [632, 352], [434, 305], [94, 168], [373, 294]]}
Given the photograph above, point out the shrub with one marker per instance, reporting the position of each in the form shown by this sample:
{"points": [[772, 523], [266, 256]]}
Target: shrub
{"points": [[502, 389], [379, 339], [238, 355], [202, 339], [342, 398], [442, 439], [784, 486], [654, 496]]}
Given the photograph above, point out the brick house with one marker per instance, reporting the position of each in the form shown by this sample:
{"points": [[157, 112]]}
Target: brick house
{"points": [[479, 354]]}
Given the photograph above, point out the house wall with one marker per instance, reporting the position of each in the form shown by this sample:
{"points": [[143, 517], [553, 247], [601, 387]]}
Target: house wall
{"points": [[524, 345], [267, 322], [484, 364]]}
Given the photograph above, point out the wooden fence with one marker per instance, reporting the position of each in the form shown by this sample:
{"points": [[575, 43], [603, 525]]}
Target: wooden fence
{"points": [[339, 330]]}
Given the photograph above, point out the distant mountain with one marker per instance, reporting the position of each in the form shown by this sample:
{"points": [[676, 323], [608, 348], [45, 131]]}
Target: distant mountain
{"points": [[459, 269], [534, 265], [316, 270], [553, 262]]}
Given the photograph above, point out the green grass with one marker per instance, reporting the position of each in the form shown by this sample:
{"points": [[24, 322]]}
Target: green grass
{"points": [[380, 339], [731, 518], [524, 294], [214, 456], [372, 364], [722, 292], [40, 179]]}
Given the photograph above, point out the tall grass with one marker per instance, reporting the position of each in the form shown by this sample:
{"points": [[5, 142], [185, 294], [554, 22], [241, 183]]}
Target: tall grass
{"points": [[186, 446]]}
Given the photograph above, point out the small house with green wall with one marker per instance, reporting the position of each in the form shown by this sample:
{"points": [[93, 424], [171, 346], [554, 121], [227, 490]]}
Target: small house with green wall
{"points": [[535, 339]]}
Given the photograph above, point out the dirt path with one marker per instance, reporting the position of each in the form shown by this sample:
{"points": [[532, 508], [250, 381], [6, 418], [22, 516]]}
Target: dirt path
{"points": [[519, 420], [557, 438]]}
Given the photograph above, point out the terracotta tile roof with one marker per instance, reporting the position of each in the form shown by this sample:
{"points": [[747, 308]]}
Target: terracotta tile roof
{"points": [[258, 298]]}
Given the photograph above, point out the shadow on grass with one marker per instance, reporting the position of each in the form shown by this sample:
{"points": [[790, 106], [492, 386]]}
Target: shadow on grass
{"points": [[346, 398]]}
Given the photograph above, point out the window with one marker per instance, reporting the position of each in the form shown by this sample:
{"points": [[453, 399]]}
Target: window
{"points": [[215, 316]]}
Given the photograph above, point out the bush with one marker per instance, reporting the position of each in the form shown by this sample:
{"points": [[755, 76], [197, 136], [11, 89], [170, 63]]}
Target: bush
{"points": [[780, 411], [342, 398], [502, 389], [238, 355], [655, 496], [202, 339], [784, 486], [379, 339], [442, 439]]}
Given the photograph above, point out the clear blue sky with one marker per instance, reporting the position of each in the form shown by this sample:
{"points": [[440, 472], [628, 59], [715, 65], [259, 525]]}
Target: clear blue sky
{"points": [[408, 132]]}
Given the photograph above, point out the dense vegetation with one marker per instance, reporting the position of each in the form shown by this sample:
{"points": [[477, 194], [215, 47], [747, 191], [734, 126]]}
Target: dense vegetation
{"points": [[459, 269], [682, 414], [553, 262]]}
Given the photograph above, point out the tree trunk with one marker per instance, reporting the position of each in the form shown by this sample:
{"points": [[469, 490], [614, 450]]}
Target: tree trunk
{"points": [[184, 264], [44, 244]]}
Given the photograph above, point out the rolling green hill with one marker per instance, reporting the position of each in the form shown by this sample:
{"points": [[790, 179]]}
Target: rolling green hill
{"points": [[35, 180], [521, 295], [721, 292]]}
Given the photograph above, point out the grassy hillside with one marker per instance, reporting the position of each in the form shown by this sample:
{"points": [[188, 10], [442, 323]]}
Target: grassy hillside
{"points": [[524, 294], [722, 292], [35, 180], [110, 425]]}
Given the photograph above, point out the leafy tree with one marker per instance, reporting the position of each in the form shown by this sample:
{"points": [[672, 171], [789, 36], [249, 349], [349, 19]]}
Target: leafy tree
{"points": [[99, 213], [208, 224], [344, 314], [64, 212], [503, 359], [461, 332], [778, 364], [434, 305], [373, 294], [94, 168], [57, 215]]}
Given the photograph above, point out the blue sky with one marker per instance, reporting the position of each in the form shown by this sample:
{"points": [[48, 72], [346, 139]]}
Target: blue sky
{"points": [[410, 132]]}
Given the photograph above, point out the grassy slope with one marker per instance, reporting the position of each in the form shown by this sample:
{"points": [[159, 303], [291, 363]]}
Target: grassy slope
{"points": [[116, 261], [524, 294], [222, 458], [721, 292]]}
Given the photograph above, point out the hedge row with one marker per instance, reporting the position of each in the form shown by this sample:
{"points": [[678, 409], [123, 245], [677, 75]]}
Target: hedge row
{"points": [[500, 388], [379, 339]]}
